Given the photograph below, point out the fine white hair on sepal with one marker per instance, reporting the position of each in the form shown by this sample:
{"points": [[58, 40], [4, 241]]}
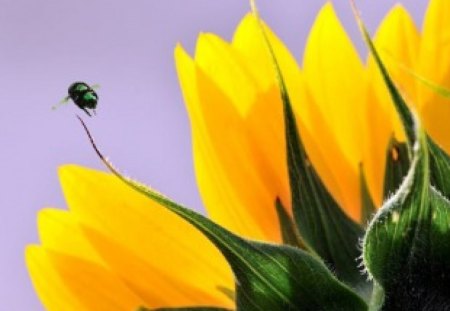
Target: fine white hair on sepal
{"points": [[398, 197]]}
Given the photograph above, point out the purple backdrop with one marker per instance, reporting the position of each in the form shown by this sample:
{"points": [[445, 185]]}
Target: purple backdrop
{"points": [[127, 47]]}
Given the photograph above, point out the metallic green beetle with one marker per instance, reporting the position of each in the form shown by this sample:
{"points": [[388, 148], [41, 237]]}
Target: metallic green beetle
{"points": [[83, 96]]}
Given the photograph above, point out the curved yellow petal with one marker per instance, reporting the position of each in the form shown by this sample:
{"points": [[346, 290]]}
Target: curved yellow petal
{"points": [[328, 159], [60, 231], [331, 67], [96, 287], [166, 256], [434, 65], [230, 183], [244, 72], [265, 118], [227, 69], [397, 41], [265, 127], [49, 286], [165, 292], [248, 41]]}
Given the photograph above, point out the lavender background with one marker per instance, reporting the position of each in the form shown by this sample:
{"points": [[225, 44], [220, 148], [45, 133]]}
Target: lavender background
{"points": [[127, 47]]}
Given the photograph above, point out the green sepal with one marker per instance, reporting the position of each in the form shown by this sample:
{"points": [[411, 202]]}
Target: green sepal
{"points": [[367, 204], [397, 166], [406, 249], [289, 232], [323, 226], [268, 276], [407, 245]]}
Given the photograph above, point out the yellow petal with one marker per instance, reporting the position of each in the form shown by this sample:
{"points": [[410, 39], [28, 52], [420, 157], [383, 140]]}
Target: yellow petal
{"points": [[334, 73], [227, 69], [265, 118], [335, 76], [165, 292], [397, 41], [231, 185], [265, 125], [60, 231], [327, 157], [172, 258], [96, 287], [51, 290], [434, 65], [239, 76], [248, 41]]}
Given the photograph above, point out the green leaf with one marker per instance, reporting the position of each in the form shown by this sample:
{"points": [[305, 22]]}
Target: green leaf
{"points": [[268, 277], [323, 226], [397, 166], [367, 204]]}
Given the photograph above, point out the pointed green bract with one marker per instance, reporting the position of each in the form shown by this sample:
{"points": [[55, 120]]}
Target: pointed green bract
{"points": [[406, 248], [289, 232], [407, 245], [324, 227]]}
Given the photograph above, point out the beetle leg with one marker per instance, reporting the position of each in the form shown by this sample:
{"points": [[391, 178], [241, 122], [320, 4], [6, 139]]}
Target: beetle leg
{"points": [[87, 112]]}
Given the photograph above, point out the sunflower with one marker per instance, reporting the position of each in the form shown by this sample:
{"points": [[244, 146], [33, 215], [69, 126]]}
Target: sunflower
{"points": [[114, 249]]}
